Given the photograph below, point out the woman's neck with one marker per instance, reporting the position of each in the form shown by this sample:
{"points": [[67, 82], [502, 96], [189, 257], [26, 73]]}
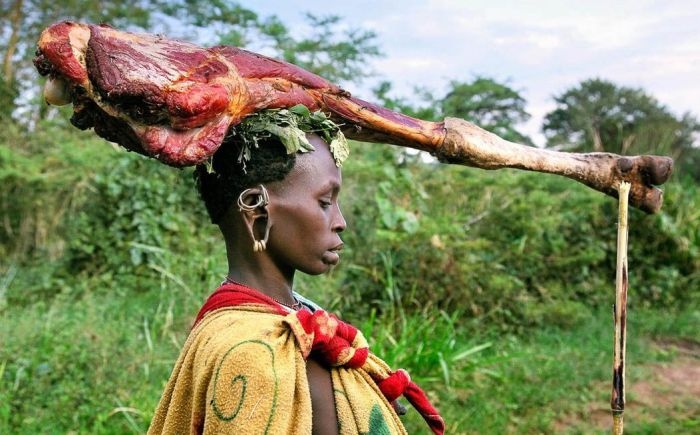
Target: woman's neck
{"points": [[254, 269], [259, 272]]}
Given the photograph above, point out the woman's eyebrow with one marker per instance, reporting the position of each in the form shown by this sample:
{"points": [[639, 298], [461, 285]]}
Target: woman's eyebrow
{"points": [[330, 186]]}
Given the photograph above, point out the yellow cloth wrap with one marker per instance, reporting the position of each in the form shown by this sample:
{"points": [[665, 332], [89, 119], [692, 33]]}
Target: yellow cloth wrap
{"points": [[242, 370]]}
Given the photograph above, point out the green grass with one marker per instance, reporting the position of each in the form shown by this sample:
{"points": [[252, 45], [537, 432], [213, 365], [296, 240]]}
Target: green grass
{"points": [[98, 363], [484, 382]]}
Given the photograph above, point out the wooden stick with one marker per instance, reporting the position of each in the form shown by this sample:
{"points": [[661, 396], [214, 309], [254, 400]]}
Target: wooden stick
{"points": [[617, 402]]}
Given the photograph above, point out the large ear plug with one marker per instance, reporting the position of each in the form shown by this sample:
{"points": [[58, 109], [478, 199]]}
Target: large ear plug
{"points": [[263, 199]]}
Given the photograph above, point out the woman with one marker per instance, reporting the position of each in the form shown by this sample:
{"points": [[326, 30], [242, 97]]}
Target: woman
{"points": [[261, 358]]}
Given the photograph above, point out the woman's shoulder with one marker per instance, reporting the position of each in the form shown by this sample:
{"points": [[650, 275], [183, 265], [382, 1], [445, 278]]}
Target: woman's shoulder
{"points": [[221, 329], [234, 363]]}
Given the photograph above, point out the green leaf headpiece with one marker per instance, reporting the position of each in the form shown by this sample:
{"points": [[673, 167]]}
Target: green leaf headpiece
{"points": [[290, 127]]}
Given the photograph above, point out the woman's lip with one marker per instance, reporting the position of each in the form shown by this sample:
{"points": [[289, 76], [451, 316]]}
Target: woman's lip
{"points": [[331, 257]]}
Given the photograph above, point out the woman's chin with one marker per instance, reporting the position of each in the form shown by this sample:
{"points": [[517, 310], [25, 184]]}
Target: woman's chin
{"points": [[327, 263]]}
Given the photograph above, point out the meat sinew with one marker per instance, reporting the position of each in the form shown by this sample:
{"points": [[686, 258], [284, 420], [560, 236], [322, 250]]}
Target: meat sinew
{"points": [[175, 101]]}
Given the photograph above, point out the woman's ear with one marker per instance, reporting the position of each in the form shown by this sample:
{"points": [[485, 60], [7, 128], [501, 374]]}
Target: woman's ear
{"points": [[252, 204]]}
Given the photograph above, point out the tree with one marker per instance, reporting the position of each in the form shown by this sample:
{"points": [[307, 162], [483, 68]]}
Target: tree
{"points": [[332, 50], [329, 51], [326, 52], [491, 105], [597, 115], [425, 107], [601, 116], [21, 26]]}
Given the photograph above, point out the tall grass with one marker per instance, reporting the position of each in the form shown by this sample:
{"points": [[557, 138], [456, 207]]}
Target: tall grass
{"points": [[98, 364]]}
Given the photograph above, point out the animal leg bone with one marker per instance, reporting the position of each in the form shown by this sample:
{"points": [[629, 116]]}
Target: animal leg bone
{"points": [[467, 144]]}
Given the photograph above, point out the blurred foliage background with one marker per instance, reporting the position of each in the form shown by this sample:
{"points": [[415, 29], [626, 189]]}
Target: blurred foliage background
{"points": [[492, 288]]}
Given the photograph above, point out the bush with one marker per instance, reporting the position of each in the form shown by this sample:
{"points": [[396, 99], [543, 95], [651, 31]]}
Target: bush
{"points": [[510, 247], [506, 247], [78, 214]]}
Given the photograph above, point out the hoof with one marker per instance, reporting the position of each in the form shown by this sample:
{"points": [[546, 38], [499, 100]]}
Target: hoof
{"points": [[644, 173]]}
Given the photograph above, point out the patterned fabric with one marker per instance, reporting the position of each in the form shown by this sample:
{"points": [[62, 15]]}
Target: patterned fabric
{"points": [[242, 370]]}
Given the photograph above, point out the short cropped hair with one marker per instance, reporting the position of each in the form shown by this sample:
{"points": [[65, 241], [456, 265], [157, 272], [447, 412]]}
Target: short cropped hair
{"points": [[222, 181]]}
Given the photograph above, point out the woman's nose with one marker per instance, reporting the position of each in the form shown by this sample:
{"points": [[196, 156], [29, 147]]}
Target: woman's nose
{"points": [[339, 223]]}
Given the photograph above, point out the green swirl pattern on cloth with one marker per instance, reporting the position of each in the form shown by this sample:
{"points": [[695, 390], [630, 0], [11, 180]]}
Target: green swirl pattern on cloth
{"points": [[243, 380]]}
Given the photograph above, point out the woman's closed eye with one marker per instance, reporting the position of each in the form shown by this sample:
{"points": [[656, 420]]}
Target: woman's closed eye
{"points": [[324, 203]]}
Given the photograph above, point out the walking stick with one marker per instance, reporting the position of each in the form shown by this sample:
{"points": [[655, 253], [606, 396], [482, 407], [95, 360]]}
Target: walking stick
{"points": [[617, 402]]}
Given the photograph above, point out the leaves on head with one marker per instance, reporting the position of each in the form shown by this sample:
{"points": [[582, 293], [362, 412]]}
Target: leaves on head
{"points": [[290, 127]]}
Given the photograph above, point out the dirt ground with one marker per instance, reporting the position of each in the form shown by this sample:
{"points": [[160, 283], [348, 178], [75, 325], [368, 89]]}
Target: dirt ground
{"points": [[659, 391]]}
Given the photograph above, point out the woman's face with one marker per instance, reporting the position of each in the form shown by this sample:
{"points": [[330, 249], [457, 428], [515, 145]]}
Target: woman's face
{"points": [[306, 217]]}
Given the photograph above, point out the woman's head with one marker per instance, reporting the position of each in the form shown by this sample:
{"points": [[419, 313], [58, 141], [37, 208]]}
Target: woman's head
{"points": [[302, 215], [262, 148]]}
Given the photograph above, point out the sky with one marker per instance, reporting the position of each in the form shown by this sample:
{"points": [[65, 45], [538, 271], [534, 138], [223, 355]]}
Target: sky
{"points": [[540, 48]]}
